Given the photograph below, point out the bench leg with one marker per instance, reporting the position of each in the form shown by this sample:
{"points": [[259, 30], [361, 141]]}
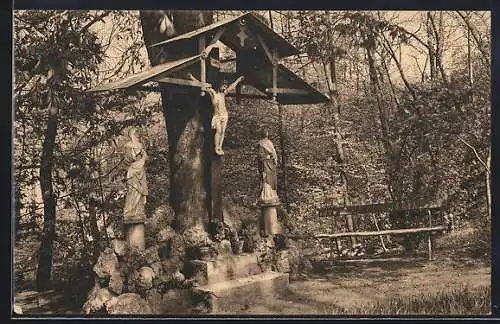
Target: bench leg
{"points": [[429, 245]]}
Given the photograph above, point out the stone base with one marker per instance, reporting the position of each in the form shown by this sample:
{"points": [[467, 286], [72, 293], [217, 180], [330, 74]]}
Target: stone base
{"points": [[232, 296], [222, 269], [135, 235], [270, 220]]}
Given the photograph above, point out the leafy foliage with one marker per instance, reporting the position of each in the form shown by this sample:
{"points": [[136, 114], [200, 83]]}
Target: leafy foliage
{"points": [[58, 56]]}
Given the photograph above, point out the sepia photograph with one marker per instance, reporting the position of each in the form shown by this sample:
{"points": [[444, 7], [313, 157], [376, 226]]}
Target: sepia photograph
{"points": [[201, 163]]}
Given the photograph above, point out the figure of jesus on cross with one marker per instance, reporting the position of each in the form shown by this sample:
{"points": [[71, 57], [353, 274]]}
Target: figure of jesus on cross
{"points": [[220, 115]]}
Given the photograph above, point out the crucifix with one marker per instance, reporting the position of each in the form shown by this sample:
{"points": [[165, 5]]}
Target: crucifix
{"points": [[258, 50]]}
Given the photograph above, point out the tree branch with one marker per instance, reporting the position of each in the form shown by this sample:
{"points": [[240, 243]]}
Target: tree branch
{"points": [[486, 167], [95, 20], [437, 50], [388, 47], [414, 36], [479, 43]]}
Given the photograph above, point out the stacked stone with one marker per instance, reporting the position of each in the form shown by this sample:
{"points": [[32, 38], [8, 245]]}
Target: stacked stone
{"points": [[282, 255], [132, 281], [153, 281]]}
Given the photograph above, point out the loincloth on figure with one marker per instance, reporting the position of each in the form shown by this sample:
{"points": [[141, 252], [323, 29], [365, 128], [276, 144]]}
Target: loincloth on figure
{"points": [[219, 119]]}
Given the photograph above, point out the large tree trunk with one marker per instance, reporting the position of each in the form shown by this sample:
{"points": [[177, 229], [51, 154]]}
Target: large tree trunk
{"points": [[187, 117], [49, 202]]}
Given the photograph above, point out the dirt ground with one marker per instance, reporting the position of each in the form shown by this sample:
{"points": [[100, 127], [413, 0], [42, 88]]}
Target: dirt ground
{"points": [[348, 286]]}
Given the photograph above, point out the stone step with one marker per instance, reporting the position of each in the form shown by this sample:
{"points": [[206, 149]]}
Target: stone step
{"points": [[38, 302], [232, 296], [222, 269]]}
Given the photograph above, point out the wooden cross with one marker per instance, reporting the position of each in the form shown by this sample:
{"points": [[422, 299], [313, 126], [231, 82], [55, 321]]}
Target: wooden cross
{"points": [[242, 35]]}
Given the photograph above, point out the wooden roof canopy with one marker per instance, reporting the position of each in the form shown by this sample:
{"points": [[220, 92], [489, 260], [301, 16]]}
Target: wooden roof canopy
{"points": [[258, 50]]}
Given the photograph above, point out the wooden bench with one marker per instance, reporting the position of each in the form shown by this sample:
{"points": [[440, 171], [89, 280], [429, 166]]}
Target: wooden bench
{"points": [[337, 211]]}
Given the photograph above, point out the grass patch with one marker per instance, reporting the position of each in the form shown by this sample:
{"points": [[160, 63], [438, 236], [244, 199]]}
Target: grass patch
{"points": [[466, 301]]}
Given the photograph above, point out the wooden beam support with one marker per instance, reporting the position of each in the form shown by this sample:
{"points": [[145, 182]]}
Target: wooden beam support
{"points": [[239, 71], [269, 55], [211, 45], [287, 91], [146, 88], [275, 73], [203, 69], [217, 36], [231, 94], [190, 83], [247, 95]]}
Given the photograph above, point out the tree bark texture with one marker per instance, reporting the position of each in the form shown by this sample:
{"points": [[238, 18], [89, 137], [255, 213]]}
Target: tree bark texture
{"points": [[187, 116], [338, 141], [49, 203], [430, 46], [284, 158]]}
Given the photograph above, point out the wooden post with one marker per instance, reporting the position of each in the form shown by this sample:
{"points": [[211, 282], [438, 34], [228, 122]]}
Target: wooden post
{"points": [[241, 69], [331, 242], [238, 93], [275, 73], [378, 230], [216, 162], [429, 237], [203, 70], [337, 240], [350, 227]]}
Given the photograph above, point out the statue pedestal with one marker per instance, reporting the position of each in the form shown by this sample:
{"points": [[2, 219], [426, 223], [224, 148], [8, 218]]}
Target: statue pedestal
{"points": [[135, 235], [270, 224]]}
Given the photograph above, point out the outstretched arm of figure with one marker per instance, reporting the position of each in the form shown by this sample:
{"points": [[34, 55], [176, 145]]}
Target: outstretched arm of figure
{"points": [[233, 85], [209, 89], [191, 76]]}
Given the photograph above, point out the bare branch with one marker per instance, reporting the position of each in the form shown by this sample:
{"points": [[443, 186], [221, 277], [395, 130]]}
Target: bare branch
{"points": [[486, 166], [480, 45], [414, 36], [95, 20], [437, 50], [388, 47]]}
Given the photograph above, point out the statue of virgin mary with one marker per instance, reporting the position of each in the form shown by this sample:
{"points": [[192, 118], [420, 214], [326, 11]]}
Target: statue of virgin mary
{"points": [[267, 163]]}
